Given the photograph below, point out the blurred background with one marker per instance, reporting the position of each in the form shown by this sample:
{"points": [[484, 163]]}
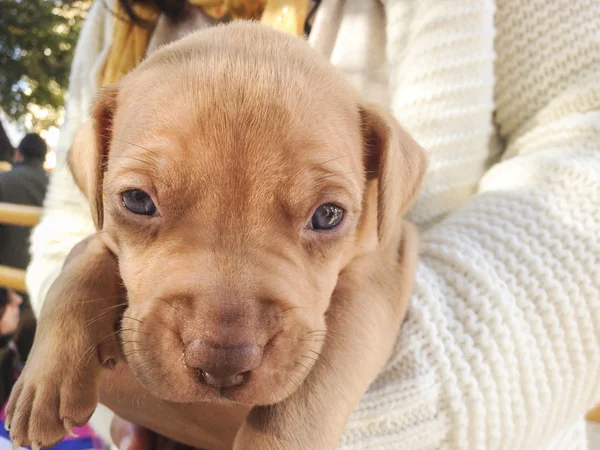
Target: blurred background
{"points": [[37, 44], [37, 41]]}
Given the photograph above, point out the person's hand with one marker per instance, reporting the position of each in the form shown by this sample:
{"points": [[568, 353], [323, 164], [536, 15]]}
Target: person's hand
{"points": [[12, 313], [202, 425], [127, 436]]}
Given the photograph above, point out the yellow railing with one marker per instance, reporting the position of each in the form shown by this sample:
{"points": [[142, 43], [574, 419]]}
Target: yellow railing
{"points": [[24, 215], [11, 214], [12, 278]]}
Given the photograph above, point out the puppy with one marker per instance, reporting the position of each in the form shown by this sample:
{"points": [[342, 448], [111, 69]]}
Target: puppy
{"points": [[250, 204]]}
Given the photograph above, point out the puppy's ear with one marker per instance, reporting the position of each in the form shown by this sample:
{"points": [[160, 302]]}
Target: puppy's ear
{"points": [[396, 162], [88, 155]]}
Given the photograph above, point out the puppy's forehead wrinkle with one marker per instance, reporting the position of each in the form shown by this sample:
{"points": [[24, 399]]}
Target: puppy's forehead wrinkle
{"points": [[270, 128]]}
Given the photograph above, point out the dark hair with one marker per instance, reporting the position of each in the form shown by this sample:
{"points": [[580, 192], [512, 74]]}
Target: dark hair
{"points": [[6, 149], [32, 146], [173, 9], [3, 300]]}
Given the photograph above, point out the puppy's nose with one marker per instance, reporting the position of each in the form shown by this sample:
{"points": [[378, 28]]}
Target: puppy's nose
{"points": [[223, 365]]}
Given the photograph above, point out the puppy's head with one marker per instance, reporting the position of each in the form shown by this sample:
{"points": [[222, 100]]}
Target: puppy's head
{"points": [[236, 174]]}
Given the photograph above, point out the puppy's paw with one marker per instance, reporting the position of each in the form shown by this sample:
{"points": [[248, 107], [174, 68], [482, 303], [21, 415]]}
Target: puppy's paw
{"points": [[58, 389], [76, 335], [45, 405]]}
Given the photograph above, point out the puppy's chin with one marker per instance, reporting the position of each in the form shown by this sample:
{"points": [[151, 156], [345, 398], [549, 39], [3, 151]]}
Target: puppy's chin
{"points": [[156, 356]]}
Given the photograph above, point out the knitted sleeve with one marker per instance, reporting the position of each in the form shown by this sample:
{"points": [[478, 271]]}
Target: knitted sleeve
{"points": [[66, 218], [501, 348]]}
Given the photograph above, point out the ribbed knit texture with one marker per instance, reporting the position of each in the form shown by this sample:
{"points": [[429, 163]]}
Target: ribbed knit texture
{"points": [[501, 347], [441, 83]]}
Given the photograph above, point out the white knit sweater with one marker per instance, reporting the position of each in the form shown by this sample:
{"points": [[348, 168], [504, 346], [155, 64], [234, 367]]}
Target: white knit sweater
{"points": [[501, 347]]}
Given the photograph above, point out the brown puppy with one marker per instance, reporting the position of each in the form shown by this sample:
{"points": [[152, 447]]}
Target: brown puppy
{"points": [[253, 202]]}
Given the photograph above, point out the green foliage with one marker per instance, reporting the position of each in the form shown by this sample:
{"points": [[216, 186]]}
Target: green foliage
{"points": [[37, 41]]}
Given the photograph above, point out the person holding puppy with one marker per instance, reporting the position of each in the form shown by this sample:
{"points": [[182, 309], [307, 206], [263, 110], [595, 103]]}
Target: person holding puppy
{"points": [[499, 348]]}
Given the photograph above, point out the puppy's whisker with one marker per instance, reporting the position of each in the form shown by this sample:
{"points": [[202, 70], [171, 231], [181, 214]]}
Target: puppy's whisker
{"points": [[319, 334], [320, 357], [317, 340], [315, 352], [329, 334], [112, 385], [137, 401], [335, 333], [285, 386], [119, 386], [92, 347], [103, 313], [310, 357], [98, 299], [271, 389], [317, 331], [132, 318], [131, 352], [297, 383], [136, 350], [140, 400], [166, 376], [333, 159], [307, 369], [167, 328], [132, 380], [319, 360], [291, 308], [118, 305], [145, 363], [132, 329], [334, 174], [168, 303]]}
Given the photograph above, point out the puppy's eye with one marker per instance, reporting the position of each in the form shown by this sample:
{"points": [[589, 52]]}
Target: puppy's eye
{"points": [[138, 202], [326, 217]]}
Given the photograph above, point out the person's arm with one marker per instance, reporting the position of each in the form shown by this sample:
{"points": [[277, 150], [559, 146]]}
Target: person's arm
{"points": [[501, 348], [66, 219]]}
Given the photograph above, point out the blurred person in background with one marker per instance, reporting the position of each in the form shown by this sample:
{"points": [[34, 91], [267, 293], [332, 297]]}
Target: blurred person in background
{"points": [[11, 354], [25, 184], [500, 348], [6, 150], [16, 340], [10, 312]]}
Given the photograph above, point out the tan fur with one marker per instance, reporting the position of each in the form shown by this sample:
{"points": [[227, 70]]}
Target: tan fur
{"points": [[238, 133]]}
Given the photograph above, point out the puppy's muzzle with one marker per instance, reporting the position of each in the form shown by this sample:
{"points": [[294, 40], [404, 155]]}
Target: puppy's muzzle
{"points": [[222, 365]]}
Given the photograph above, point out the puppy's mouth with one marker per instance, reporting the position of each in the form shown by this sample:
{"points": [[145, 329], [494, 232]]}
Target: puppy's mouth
{"points": [[231, 386], [231, 389], [177, 372]]}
